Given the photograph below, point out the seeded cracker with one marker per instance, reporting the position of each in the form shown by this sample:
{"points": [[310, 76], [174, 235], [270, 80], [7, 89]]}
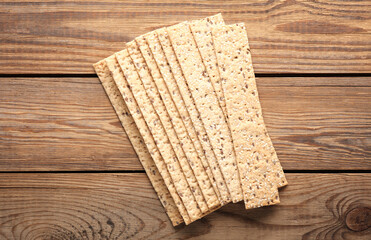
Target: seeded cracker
{"points": [[251, 140], [256, 114], [165, 121], [259, 190], [177, 85], [173, 90], [135, 137], [201, 30], [185, 141], [157, 130], [207, 104]]}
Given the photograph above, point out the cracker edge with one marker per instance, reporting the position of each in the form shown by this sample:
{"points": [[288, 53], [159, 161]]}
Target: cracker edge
{"points": [[164, 67], [196, 165], [157, 131], [178, 33], [133, 134], [211, 157]]}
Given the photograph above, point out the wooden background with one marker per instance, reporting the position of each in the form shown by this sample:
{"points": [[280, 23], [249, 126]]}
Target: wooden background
{"points": [[68, 171]]}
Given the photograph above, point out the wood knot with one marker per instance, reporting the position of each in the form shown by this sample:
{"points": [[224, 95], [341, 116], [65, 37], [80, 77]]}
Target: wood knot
{"points": [[358, 219]]}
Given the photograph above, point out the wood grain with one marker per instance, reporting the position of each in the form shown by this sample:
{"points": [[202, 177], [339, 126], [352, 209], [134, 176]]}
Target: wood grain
{"points": [[124, 206], [60, 124], [285, 36], [67, 124]]}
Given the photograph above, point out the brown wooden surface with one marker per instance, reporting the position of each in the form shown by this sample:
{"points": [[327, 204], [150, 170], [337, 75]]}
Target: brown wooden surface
{"points": [[313, 59], [51, 124], [285, 36], [106, 206]]}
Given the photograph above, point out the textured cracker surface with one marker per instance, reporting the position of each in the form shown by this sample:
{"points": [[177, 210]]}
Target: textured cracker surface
{"points": [[160, 139], [258, 188], [163, 65], [256, 114], [207, 104], [128, 65], [201, 30], [258, 176], [136, 140], [180, 87], [158, 105], [177, 122]]}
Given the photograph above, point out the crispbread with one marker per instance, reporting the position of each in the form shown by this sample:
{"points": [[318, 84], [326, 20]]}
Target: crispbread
{"points": [[173, 90], [157, 130], [140, 148], [133, 107], [250, 138], [178, 86], [207, 104], [256, 113], [180, 130], [158, 105], [201, 30]]}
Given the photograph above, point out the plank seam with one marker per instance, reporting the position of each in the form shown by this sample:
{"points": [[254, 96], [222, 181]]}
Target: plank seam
{"points": [[258, 75], [142, 171]]}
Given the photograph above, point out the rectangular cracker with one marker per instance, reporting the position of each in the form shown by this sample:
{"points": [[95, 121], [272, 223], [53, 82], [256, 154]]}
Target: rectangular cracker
{"points": [[258, 187], [177, 124], [256, 111], [157, 130], [201, 30], [136, 140], [207, 104], [173, 90], [134, 110], [158, 105], [253, 147], [177, 85]]}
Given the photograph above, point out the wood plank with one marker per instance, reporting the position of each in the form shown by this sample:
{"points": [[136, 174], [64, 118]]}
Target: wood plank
{"points": [[68, 124], [110, 206], [285, 36], [60, 124]]}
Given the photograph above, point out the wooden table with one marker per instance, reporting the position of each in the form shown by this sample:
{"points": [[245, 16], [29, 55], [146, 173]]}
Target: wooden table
{"points": [[68, 170]]}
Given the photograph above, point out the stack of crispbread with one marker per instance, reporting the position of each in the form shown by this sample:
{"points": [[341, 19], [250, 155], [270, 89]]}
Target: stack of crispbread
{"points": [[187, 99]]}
